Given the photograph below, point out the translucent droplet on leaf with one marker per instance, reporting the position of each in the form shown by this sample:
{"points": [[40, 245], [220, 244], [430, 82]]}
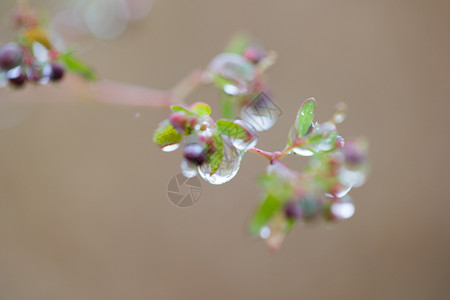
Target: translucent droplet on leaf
{"points": [[241, 144], [170, 148], [228, 168]]}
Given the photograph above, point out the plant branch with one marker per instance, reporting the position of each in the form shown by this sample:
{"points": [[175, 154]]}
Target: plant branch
{"points": [[115, 92]]}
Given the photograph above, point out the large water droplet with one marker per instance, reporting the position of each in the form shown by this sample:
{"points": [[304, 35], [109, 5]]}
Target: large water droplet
{"points": [[228, 168], [241, 144], [170, 148], [187, 169], [262, 113], [234, 67]]}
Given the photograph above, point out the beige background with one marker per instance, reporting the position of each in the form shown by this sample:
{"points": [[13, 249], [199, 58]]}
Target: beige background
{"points": [[83, 206]]}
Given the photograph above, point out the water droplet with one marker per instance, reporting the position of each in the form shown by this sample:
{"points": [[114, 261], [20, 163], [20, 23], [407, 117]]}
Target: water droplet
{"points": [[234, 67], [261, 113], [187, 169], [354, 178], [170, 148], [297, 150], [244, 145], [264, 232], [228, 168], [343, 210]]}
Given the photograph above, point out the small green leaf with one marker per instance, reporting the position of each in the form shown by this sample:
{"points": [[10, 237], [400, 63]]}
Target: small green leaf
{"points": [[265, 211], [305, 116], [75, 65], [215, 159], [166, 135], [176, 108], [238, 44], [200, 108], [233, 130]]}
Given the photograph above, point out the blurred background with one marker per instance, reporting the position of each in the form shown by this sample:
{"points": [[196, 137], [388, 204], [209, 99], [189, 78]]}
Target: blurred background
{"points": [[83, 207]]}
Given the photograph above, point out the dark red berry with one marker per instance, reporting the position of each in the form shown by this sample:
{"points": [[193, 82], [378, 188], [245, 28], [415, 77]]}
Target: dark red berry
{"points": [[57, 72], [195, 154], [10, 56], [292, 210], [18, 81]]}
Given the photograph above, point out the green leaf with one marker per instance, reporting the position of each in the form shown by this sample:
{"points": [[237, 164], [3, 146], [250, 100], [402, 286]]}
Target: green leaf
{"points": [[238, 44], [166, 135], [305, 116], [77, 66], [265, 211], [176, 108], [200, 108], [233, 130], [215, 159]]}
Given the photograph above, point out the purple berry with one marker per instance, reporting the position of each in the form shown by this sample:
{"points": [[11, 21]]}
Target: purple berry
{"points": [[292, 210], [18, 81], [10, 56], [195, 154], [57, 72], [353, 153]]}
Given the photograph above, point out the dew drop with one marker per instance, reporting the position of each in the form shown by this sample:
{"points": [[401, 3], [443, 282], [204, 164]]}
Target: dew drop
{"points": [[261, 113], [264, 232], [234, 67], [188, 170], [170, 148], [244, 145], [343, 210], [228, 168]]}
